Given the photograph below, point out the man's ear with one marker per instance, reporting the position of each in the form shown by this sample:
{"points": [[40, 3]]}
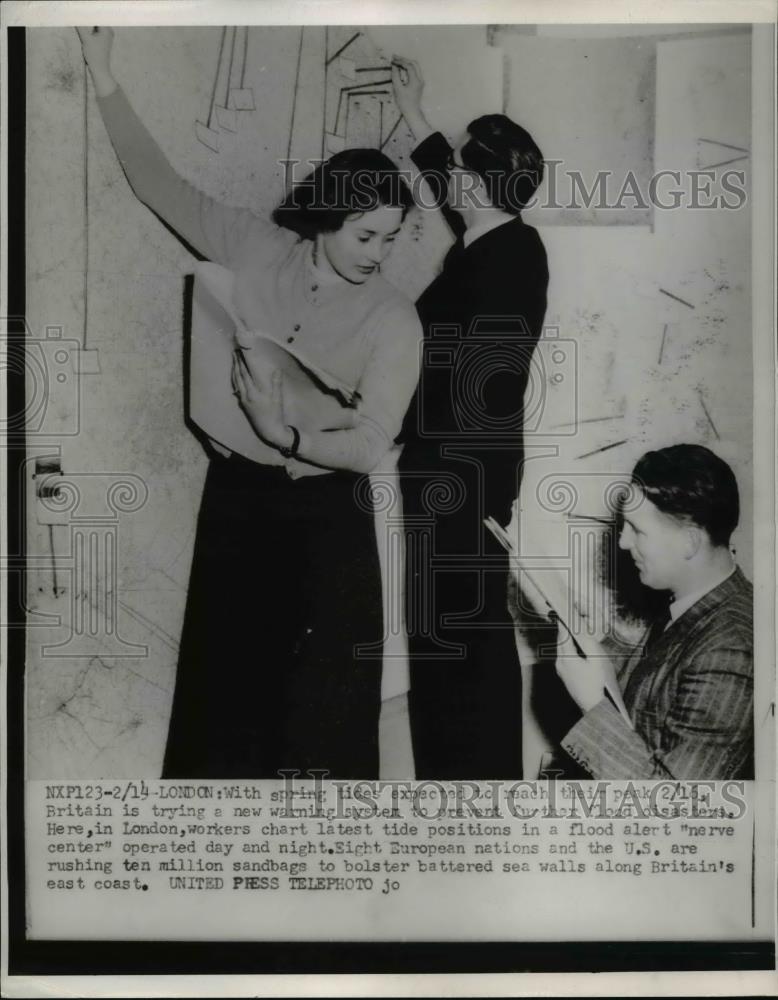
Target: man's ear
{"points": [[693, 540]]}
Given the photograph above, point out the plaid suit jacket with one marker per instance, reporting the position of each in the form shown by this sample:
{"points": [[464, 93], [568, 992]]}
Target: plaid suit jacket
{"points": [[690, 699]]}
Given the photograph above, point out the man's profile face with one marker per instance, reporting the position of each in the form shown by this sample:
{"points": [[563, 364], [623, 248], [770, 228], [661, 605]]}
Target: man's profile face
{"points": [[658, 544]]}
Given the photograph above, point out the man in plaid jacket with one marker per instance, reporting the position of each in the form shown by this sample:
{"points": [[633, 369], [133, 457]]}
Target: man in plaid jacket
{"points": [[689, 687]]}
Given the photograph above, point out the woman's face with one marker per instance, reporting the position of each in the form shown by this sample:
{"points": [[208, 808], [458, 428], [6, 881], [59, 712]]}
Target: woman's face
{"points": [[361, 244]]}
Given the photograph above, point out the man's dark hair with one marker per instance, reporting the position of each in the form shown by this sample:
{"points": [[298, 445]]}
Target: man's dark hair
{"points": [[507, 158], [689, 482], [352, 181]]}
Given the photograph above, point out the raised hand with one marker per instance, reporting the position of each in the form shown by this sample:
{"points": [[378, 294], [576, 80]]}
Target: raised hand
{"points": [[408, 86], [96, 45]]}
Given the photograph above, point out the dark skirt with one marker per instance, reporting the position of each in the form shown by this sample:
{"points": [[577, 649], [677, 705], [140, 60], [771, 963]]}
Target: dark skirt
{"points": [[285, 587]]}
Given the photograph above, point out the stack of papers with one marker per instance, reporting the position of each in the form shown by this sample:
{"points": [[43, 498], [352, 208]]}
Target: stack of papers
{"points": [[552, 595]]}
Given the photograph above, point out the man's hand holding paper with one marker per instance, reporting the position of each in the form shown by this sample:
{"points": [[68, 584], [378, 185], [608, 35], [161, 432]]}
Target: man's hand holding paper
{"points": [[582, 663], [586, 677]]}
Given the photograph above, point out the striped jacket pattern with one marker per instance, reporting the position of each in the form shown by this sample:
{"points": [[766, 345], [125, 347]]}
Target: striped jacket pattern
{"points": [[690, 698]]}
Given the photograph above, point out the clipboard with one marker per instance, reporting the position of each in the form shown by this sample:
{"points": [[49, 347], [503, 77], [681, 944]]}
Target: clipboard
{"points": [[529, 583]]}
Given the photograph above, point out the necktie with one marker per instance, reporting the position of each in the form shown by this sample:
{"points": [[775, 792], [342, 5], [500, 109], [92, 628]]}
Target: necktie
{"points": [[657, 629]]}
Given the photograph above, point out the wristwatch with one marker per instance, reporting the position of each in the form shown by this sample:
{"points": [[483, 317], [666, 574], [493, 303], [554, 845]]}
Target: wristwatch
{"points": [[291, 451]]}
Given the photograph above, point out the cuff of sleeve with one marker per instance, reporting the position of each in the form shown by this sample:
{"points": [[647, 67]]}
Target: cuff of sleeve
{"points": [[585, 740], [116, 97], [432, 151]]}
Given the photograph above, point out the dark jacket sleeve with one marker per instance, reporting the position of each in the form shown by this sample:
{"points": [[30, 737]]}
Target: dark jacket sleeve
{"points": [[431, 157]]}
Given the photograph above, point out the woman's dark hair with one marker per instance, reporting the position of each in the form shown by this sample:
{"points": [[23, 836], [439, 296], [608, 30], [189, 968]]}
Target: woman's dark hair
{"points": [[352, 181], [689, 482], [507, 158]]}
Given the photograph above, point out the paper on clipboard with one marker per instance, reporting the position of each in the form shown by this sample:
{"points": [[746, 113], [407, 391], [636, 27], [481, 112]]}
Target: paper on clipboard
{"points": [[529, 583]]}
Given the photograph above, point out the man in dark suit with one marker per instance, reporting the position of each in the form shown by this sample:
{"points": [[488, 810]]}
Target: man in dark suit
{"points": [[463, 442], [689, 686]]}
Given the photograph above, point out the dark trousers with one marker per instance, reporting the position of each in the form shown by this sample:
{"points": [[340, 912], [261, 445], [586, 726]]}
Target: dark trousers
{"points": [[285, 585], [465, 697]]}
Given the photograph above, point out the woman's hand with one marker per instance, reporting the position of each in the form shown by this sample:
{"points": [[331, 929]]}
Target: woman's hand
{"points": [[96, 44], [261, 399], [408, 86]]}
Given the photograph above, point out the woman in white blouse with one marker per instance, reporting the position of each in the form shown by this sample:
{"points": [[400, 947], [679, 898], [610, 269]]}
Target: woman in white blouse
{"points": [[280, 656]]}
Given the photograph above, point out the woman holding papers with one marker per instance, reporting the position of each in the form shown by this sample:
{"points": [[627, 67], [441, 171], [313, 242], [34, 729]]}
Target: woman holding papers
{"points": [[280, 657]]}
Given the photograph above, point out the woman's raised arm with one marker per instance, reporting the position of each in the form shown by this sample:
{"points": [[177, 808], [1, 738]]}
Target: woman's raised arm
{"points": [[213, 229]]}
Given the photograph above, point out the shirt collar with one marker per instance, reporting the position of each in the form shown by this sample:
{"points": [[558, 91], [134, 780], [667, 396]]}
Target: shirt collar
{"points": [[677, 608], [482, 228], [319, 274]]}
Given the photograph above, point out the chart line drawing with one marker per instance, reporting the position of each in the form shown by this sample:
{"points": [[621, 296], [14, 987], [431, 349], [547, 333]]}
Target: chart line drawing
{"points": [[342, 49], [357, 102], [743, 152], [295, 95], [224, 115]]}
